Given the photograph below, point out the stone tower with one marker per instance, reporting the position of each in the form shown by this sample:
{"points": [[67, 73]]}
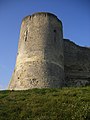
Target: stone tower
{"points": [[39, 62]]}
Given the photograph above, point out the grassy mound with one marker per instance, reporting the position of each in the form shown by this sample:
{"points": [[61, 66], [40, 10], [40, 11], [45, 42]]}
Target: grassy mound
{"points": [[46, 104]]}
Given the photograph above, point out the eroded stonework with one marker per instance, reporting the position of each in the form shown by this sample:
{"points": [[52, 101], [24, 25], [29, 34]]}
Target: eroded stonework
{"points": [[40, 59], [76, 64], [45, 59]]}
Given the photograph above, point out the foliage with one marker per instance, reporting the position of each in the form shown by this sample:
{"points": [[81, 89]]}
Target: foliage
{"points": [[46, 104]]}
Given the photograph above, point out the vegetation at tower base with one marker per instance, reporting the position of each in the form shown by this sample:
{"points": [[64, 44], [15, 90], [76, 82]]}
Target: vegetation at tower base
{"points": [[46, 104]]}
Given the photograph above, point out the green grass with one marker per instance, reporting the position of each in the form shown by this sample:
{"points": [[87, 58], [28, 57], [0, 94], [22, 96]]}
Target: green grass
{"points": [[46, 104]]}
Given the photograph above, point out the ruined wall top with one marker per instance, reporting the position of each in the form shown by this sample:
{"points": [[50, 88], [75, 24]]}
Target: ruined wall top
{"points": [[43, 14]]}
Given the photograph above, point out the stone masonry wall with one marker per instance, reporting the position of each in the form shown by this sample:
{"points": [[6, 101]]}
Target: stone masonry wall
{"points": [[76, 64], [39, 62]]}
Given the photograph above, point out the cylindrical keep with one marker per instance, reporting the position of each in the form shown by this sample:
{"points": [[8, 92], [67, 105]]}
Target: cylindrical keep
{"points": [[39, 62]]}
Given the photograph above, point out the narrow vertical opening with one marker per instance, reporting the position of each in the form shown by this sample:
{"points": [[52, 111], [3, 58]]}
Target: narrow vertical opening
{"points": [[54, 35], [26, 33]]}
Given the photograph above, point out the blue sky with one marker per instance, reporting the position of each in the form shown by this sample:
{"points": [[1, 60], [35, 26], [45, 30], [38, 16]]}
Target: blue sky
{"points": [[74, 14]]}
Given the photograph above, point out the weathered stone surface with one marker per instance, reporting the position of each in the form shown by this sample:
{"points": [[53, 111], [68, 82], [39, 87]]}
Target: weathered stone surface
{"points": [[39, 62], [76, 64]]}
